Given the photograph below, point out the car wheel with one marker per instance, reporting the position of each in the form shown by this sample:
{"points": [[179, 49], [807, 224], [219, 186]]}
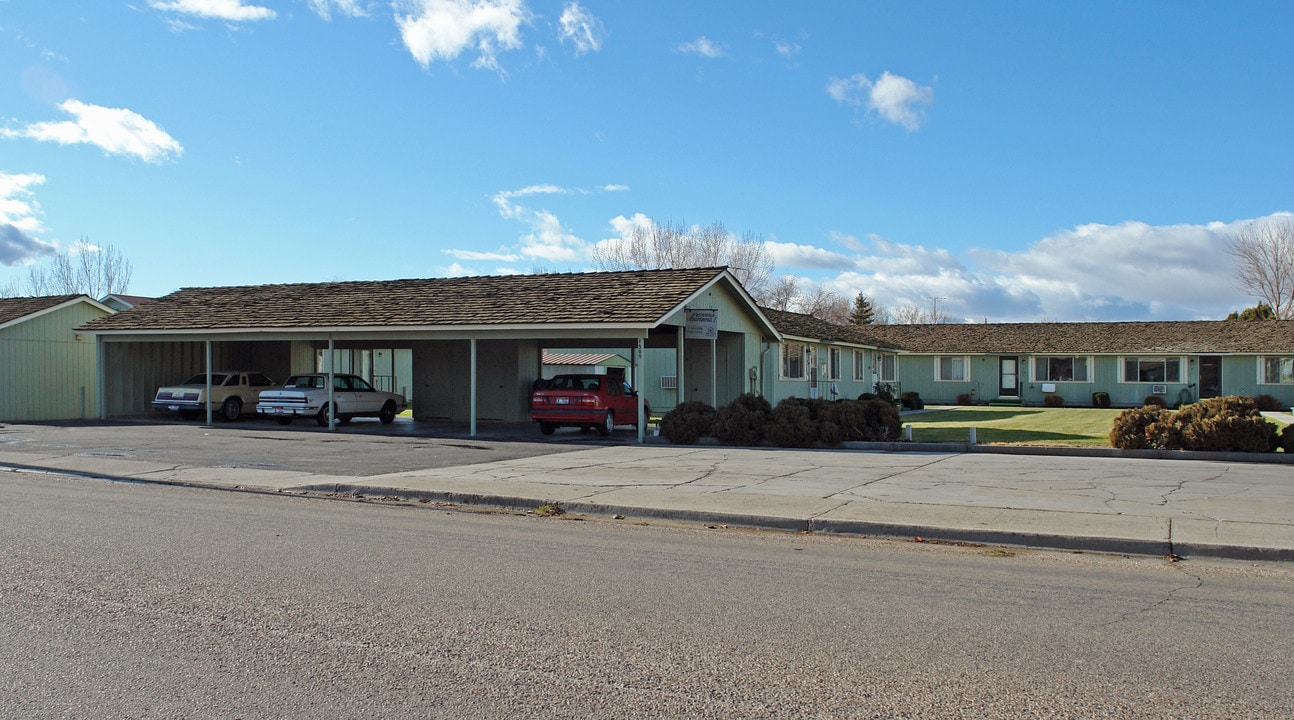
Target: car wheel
{"points": [[322, 416], [547, 428], [189, 414], [283, 420], [387, 416], [232, 409], [608, 424]]}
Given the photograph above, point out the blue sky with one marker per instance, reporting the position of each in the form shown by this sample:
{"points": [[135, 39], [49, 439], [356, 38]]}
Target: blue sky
{"points": [[1024, 161]]}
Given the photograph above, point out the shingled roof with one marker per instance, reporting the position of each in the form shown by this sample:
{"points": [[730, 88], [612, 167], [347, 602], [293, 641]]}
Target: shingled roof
{"points": [[1192, 337], [607, 298], [809, 327], [17, 308]]}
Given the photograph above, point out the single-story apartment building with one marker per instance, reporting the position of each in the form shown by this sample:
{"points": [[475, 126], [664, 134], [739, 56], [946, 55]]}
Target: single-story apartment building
{"points": [[475, 343], [1181, 361], [48, 366]]}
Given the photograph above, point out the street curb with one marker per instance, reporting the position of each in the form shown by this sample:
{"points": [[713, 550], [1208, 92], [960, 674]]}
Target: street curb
{"points": [[861, 528]]}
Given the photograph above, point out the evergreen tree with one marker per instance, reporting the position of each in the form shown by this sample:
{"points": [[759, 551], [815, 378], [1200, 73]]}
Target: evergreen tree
{"points": [[864, 311]]}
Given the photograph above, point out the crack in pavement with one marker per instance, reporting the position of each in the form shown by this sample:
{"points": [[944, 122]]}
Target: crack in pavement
{"points": [[904, 471], [1168, 597]]}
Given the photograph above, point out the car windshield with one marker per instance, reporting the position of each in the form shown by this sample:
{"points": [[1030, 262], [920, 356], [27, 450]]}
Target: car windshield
{"points": [[201, 379], [304, 381]]}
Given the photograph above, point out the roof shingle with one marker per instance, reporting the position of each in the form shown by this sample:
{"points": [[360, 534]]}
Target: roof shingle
{"points": [[632, 297], [17, 307], [1192, 337]]}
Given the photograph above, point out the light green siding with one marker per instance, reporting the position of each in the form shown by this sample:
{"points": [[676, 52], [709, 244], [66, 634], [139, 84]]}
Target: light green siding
{"points": [[47, 369]]}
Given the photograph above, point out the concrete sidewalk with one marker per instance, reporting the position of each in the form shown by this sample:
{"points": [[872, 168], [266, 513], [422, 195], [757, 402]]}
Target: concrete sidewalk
{"points": [[1123, 505]]}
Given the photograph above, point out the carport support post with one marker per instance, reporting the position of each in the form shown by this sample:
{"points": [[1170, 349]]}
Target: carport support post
{"points": [[471, 381], [680, 391], [100, 392], [642, 399], [208, 344], [714, 372], [332, 416]]}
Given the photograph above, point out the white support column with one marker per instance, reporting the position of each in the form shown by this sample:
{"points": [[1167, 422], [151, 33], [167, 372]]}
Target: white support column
{"points": [[642, 400], [679, 361], [208, 353], [100, 392], [714, 372], [332, 416], [472, 389]]}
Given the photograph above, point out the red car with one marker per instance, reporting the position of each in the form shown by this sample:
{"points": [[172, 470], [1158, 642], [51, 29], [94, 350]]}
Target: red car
{"points": [[584, 401]]}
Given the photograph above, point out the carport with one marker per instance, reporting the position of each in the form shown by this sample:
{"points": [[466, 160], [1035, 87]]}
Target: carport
{"points": [[476, 342]]}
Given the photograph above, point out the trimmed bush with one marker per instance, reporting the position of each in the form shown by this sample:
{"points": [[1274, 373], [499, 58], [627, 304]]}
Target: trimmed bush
{"points": [[1153, 401], [1267, 403], [1053, 400], [1224, 424], [965, 399], [688, 422], [1130, 430], [866, 420], [1100, 399], [1285, 441], [791, 424], [741, 422], [912, 400]]}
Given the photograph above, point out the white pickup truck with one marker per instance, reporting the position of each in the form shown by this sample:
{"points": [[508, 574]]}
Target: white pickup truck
{"points": [[230, 391]]}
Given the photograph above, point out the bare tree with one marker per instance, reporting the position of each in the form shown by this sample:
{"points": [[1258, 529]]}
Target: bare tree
{"points": [[652, 246], [825, 304], [910, 314], [1264, 253], [782, 295], [96, 271]]}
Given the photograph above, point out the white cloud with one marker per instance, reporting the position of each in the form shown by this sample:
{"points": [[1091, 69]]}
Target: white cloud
{"points": [[500, 256], [444, 29], [702, 46], [549, 240], [615, 188], [894, 97], [349, 8], [1129, 271], [805, 256], [508, 209], [117, 131], [786, 48], [581, 28], [228, 10], [19, 220]]}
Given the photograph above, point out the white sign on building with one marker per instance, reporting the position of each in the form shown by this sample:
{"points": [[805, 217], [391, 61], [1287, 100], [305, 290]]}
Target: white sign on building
{"points": [[702, 325]]}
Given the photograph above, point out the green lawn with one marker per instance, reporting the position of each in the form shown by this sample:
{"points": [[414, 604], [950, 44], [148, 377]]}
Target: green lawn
{"points": [[1079, 427]]}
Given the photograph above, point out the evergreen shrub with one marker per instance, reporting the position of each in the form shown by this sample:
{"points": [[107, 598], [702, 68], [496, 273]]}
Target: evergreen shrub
{"points": [[741, 422], [688, 422]]}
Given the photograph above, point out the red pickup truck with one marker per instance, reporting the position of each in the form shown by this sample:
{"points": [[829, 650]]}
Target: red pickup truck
{"points": [[585, 401]]}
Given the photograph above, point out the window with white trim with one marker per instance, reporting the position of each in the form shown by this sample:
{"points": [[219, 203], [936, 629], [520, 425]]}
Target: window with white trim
{"points": [[1060, 368], [1277, 370], [833, 364], [951, 368], [885, 368], [1152, 369], [861, 369], [793, 361]]}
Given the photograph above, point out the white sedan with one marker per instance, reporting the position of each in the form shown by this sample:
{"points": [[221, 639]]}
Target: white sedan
{"points": [[307, 396]]}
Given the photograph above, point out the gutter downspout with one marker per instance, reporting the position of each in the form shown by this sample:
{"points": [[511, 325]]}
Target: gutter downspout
{"points": [[208, 353]]}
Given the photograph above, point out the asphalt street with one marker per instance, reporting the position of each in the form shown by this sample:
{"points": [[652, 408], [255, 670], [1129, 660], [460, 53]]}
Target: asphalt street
{"points": [[143, 600]]}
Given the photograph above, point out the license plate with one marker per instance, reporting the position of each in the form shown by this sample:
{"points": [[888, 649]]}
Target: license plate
{"points": [[562, 401], [172, 407]]}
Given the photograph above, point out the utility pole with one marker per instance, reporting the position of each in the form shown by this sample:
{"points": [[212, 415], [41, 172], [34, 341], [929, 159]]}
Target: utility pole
{"points": [[934, 316]]}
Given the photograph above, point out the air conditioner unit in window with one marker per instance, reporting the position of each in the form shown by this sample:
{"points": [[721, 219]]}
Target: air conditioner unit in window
{"points": [[1158, 389]]}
